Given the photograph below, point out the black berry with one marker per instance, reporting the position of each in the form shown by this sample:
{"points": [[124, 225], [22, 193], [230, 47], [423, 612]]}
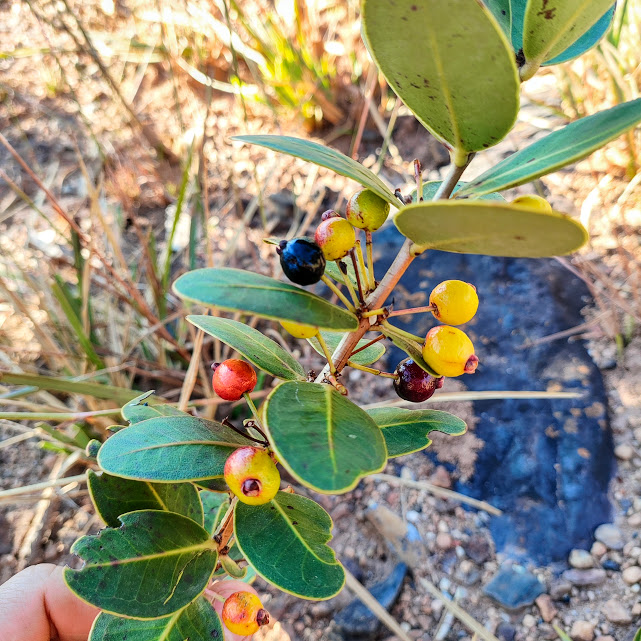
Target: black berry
{"points": [[415, 384], [302, 260]]}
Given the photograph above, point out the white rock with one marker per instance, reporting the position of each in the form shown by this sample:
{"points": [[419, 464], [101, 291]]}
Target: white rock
{"points": [[624, 452], [616, 613], [582, 631], [610, 535], [529, 621], [632, 574], [634, 520], [598, 549], [581, 559]]}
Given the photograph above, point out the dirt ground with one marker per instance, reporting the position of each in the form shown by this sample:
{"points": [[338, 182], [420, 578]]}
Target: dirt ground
{"points": [[40, 116]]}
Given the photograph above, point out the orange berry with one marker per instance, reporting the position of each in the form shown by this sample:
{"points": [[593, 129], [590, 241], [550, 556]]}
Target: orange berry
{"points": [[243, 614], [449, 351], [251, 475], [232, 378], [336, 237], [455, 301]]}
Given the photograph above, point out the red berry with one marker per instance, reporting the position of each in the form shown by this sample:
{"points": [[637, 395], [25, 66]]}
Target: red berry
{"points": [[232, 378], [414, 383]]}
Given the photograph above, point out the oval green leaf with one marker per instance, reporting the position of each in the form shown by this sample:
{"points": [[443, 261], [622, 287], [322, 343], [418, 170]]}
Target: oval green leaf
{"points": [[552, 26], [422, 48], [214, 506], [366, 357], [323, 439], [285, 541], [407, 431], [560, 148], [490, 228], [113, 496], [169, 449], [324, 157], [263, 352], [139, 410], [197, 622], [412, 348], [155, 564], [242, 291]]}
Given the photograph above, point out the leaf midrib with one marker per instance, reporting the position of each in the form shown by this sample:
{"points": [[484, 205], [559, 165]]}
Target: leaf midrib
{"points": [[150, 557]]}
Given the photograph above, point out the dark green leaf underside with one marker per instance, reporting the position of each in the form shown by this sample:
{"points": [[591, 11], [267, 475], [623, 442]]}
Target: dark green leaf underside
{"points": [[153, 565], [285, 541], [197, 622], [407, 431], [490, 228], [263, 352], [243, 291], [324, 157], [170, 449], [560, 148], [113, 496], [322, 438]]}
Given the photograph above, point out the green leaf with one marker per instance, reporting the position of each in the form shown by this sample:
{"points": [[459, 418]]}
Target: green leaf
{"points": [[407, 431], [243, 291], [168, 449], [323, 439], [156, 563], [490, 228], [430, 189], [412, 348], [324, 157], [214, 506], [503, 13], [470, 102], [560, 148], [113, 496], [285, 542], [197, 622], [637, 636], [366, 357], [552, 26], [212, 485], [332, 270], [139, 410], [263, 352]]}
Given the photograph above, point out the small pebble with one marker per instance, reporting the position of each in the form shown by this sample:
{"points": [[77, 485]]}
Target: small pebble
{"points": [[412, 516], [616, 613], [608, 638], [529, 621], [582, 631], [559, 589], [581, 559], [635, 520], [505, 631], [546, 607], [610, 535], [441, 478], [444, 541], [598, 549], [593, 576], [609, 564], [624, 452], [632, 574]]}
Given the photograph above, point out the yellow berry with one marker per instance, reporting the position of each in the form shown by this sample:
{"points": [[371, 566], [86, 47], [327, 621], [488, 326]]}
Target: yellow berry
{"points": [[449, 351], [298, 330], [455, 302], [367, 210], [251, 475], [336, 237], [533, 202], [243, 614]]}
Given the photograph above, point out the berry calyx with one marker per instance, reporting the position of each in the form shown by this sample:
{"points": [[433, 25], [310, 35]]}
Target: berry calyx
{"points": [[449, 351], [302, 260], [298, 330], [232, 378], [414, 383], [455, 302], [243, 614], [367, 210], [533, 202], [330, 213], [251, 475], [336, 237]]}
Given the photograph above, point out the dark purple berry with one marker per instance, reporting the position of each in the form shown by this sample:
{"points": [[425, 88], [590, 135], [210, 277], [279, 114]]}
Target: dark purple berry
{"points": [[302, 260], [414, 384]]}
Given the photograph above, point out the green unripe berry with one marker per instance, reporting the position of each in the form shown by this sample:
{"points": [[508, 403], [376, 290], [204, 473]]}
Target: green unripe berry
{"points": [[367, 210], [336, 237]]}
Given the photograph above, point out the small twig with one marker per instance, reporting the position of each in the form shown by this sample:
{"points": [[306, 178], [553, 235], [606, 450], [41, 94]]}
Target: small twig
{"points": [[333, 381], [371, 370], [413, 310], [244, 434], [348, 284], [361, 263], [252, 407], [418, 177], [226, 528], [361, 298], [360, 349], [326, 352], [370, 259], [381, 311], [254, 426], [338, 293]]}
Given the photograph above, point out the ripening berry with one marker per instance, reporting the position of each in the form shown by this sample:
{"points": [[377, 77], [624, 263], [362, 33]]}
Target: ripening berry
{"points": [[449, 351], [302, 260], [243, 614], [533, 202], [232, 378], [367, 210], [336, 237], [298, 330], [414, 383], [251, 475], [456, 302]]}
